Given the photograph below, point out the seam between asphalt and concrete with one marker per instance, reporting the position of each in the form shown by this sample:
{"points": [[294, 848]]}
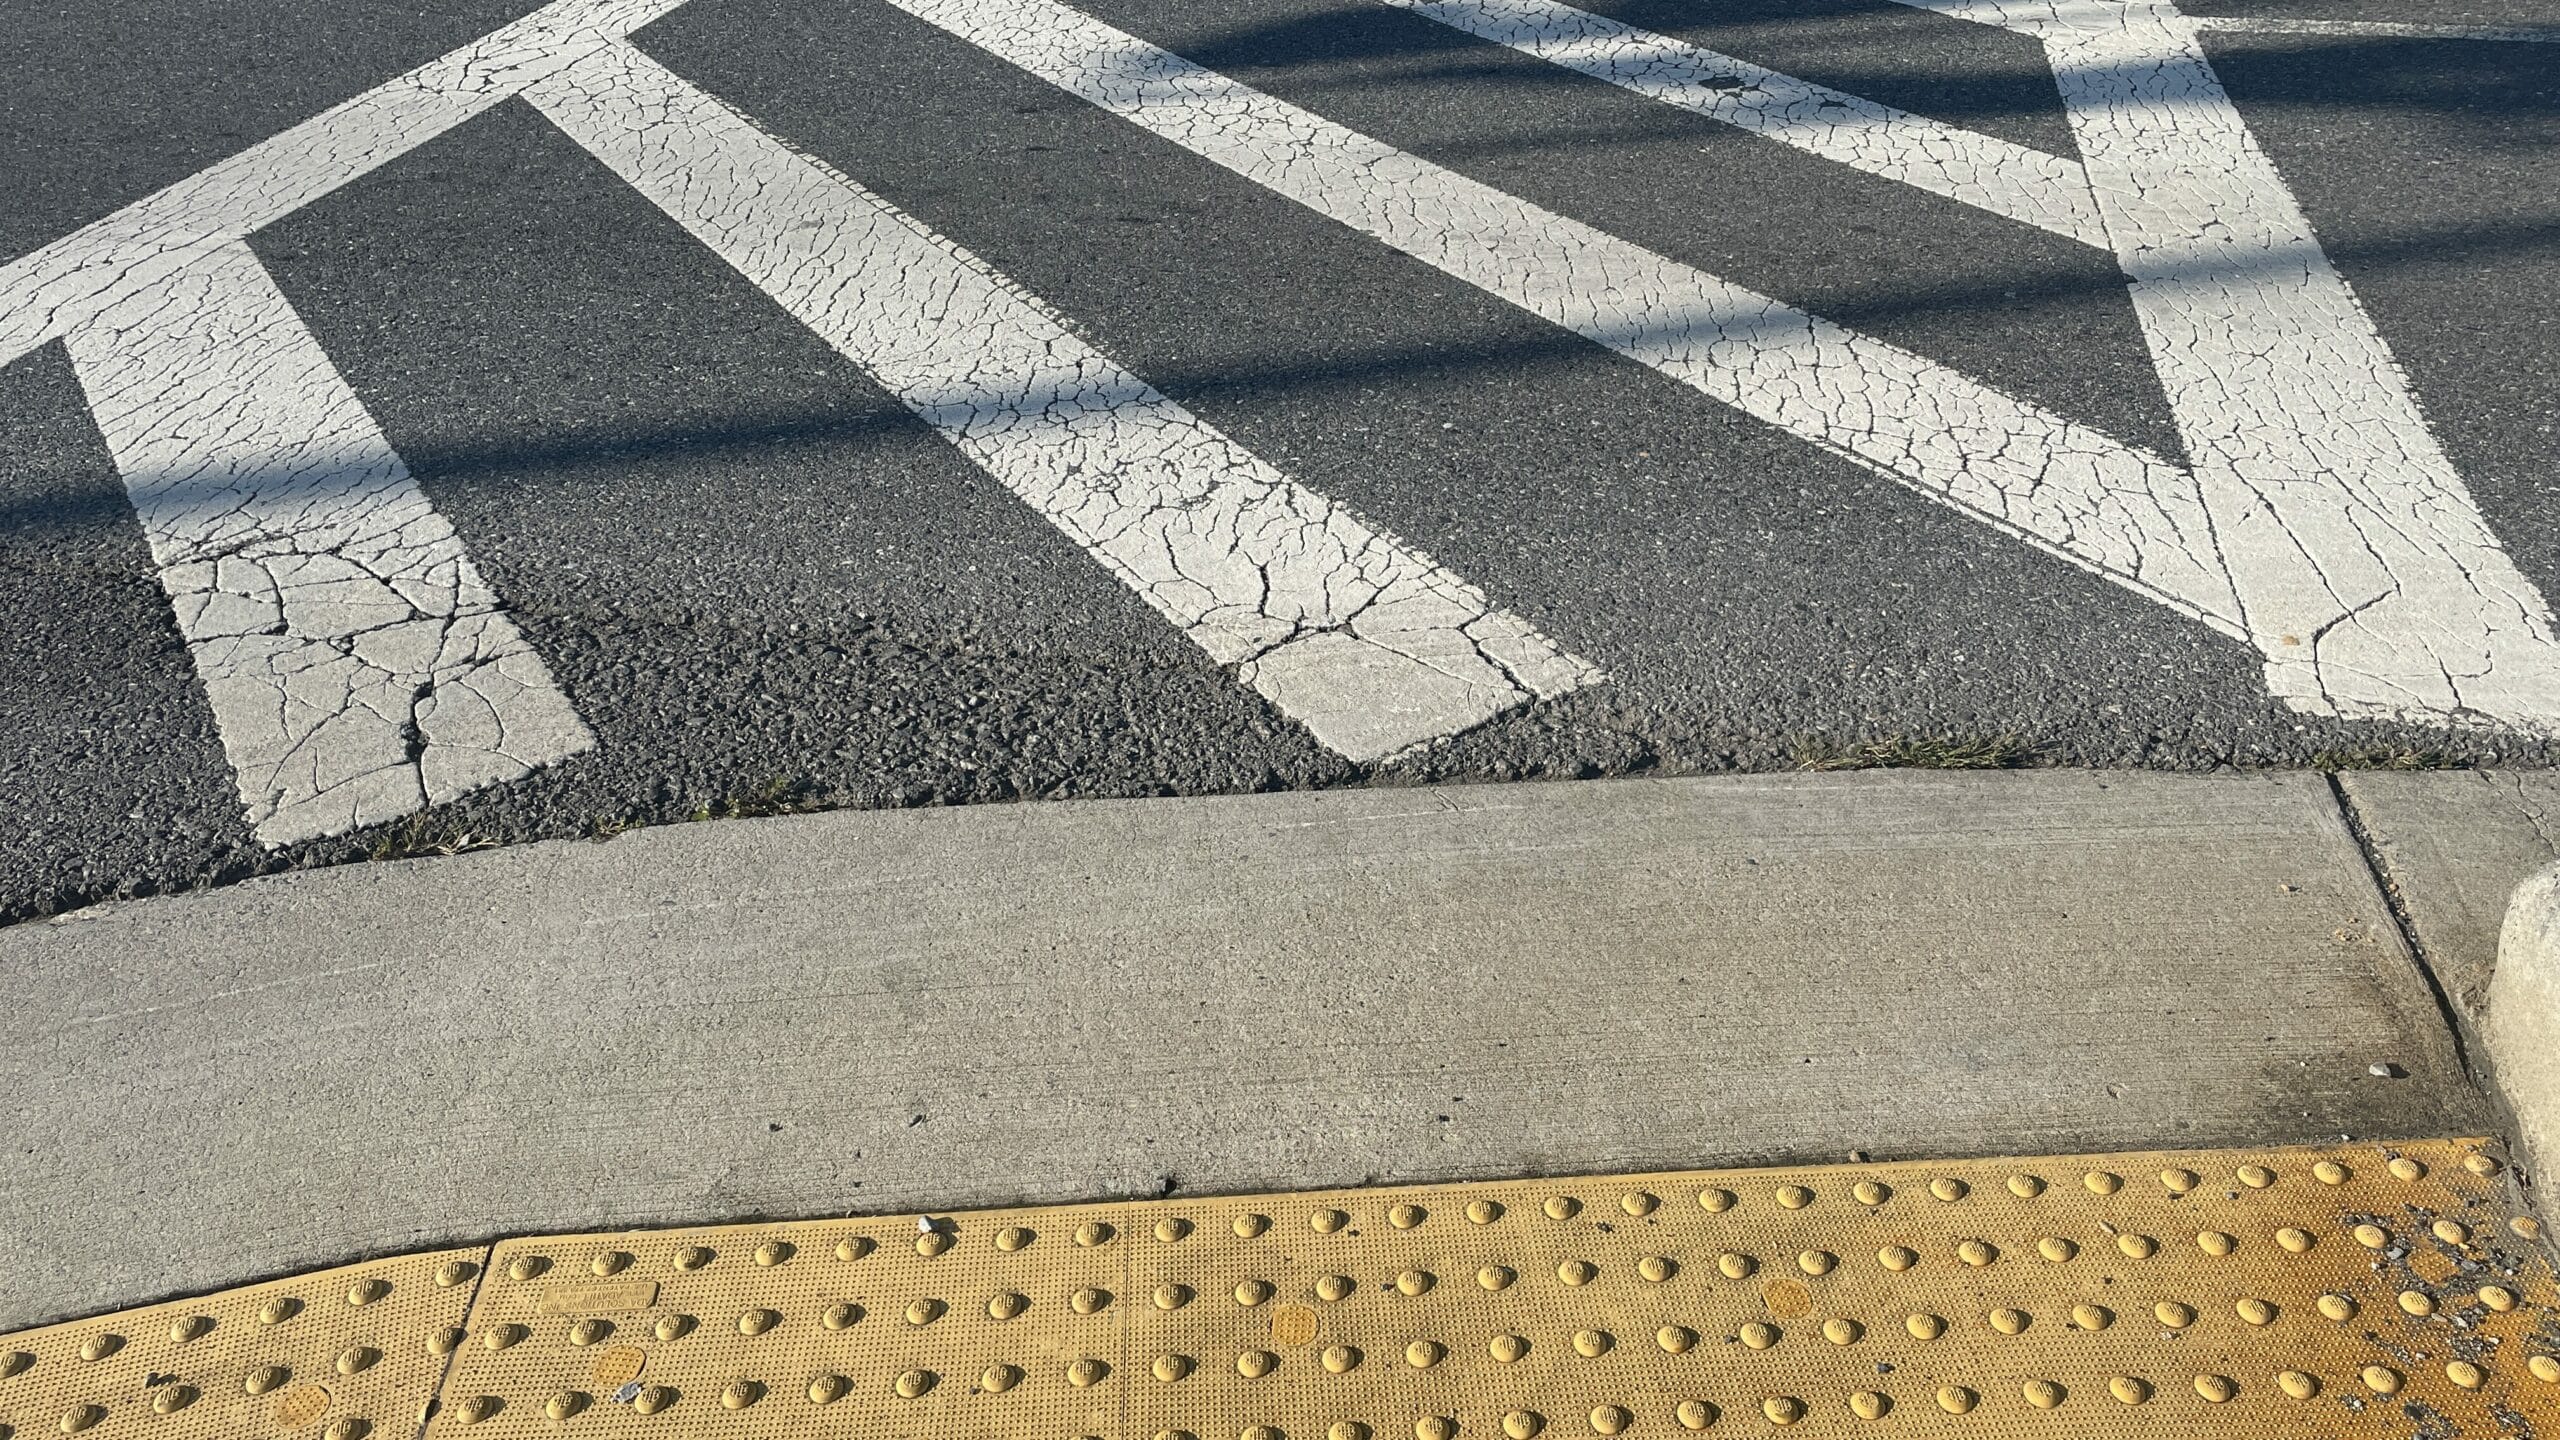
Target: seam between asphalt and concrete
{"points": [[2410, 935], [2471, 861], [894, 1011]]}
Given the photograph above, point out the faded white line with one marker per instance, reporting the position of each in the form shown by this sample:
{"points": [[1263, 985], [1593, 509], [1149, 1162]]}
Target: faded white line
{"points": [[2322, 525], [1368, 644], [2120, 511], [356, 665], [2028, 17], [2381, 29], [44, 294], [216, 997], [1993, 13], [1988, 173]]}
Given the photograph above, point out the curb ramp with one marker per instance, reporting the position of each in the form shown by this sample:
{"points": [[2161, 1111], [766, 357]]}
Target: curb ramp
{"points": [[2355, 1290]]}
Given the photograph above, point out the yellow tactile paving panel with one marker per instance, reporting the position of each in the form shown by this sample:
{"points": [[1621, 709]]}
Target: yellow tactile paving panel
{"points": [[2358, 1292], [344, 1354], [2353, 1291]]}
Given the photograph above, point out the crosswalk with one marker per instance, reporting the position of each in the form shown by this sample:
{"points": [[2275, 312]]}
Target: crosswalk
{"points": [[2318, 520], [359, 667], [1368, 644]]}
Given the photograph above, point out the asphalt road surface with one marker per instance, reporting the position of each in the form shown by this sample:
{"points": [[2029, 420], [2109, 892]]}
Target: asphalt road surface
{"points": [[420, 431]]}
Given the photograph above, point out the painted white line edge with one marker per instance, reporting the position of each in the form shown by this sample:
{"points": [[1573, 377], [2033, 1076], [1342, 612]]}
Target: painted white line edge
{"points": [[2380, 29], [2009, 180], [45, 293], [2364, 569]]}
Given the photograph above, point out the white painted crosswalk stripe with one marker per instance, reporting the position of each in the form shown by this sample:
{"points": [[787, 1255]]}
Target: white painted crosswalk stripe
{"points": [[2381, 29], [359, 668], [2029, 18], [2123, 512], [2363, 568], [1369, 645], [2348, 554], [2358, 562], [45, 293], [2364, 571], [356, 664], [1980, 170]]}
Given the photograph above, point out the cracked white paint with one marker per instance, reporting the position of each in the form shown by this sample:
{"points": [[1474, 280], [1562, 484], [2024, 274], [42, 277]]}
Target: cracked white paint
{"points": [[2321, 522], [46, 293], [1980, 170], [1367, 643], [1980, 12], [2365, 572], [356, 664], [2031, 19], [2358, 564], [359, 668], [2362, 569], [2123, 511], [2379, 29]]}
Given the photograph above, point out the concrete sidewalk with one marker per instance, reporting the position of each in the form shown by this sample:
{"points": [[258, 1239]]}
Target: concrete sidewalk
{"points": [[881, 1011]]}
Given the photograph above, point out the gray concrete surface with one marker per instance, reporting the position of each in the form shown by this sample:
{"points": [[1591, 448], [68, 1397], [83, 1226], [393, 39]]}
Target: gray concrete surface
{"points": [[884, 1010], [2452, 845], [2522, 1027]]}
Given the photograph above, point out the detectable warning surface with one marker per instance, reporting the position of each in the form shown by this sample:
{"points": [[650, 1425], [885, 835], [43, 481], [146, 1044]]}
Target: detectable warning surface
{"points": [[2358, 1290], [347, 1354]]}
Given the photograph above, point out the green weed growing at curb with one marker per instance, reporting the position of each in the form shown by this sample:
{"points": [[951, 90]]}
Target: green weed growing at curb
{"points": [[778, 796], [417, 836], [1915, 752]]}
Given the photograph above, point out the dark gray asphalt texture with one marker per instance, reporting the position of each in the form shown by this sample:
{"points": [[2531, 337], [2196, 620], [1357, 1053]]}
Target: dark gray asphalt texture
{"points": [[763, 582]]}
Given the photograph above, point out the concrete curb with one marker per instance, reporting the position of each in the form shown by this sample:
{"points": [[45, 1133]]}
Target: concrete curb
{"points": [[2522, 1028], [885, 1011]]}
